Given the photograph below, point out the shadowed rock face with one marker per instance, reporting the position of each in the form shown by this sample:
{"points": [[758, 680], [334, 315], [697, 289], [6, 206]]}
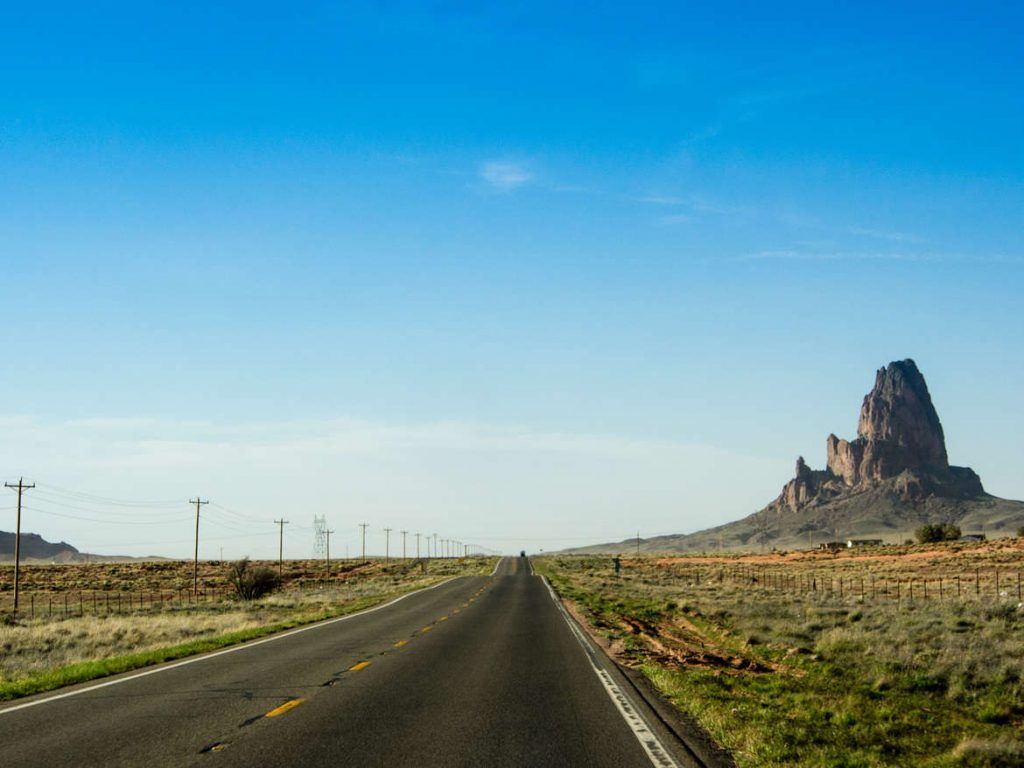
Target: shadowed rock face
{"points": [[898, 430], [899, 440]]}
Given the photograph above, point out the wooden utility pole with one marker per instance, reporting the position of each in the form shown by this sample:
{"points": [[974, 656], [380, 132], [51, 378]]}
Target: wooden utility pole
{"points": [[328, 552], [363, 526], [387, 543], [280, 546], [20, 487], [195, 555], [435, 545], [403, 543], [418, 545]]}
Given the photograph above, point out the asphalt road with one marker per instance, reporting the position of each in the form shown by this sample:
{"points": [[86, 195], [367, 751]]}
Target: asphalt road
{"points": [[479, 671]]}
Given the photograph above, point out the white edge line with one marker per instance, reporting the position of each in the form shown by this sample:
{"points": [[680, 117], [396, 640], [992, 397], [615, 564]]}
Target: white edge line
{"points": [[214, 654], [650, 742]]}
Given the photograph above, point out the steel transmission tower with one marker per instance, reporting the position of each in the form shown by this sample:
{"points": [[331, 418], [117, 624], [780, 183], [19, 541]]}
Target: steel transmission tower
{"points": [[319, 536]]}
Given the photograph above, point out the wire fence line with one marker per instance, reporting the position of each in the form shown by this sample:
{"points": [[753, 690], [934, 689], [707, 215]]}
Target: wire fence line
{"points": [[992, 584], [72, 603]]}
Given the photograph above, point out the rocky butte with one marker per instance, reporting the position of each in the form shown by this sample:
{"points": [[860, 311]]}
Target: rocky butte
{"points": [[899, 442], [893, 477]]}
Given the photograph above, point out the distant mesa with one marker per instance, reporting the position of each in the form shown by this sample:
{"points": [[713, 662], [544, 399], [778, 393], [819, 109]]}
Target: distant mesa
{"points": [[893, 477], [35, 547]]}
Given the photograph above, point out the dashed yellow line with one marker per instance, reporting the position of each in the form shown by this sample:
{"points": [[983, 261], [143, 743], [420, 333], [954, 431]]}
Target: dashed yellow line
{"points": [[360, 665], [426, 629], [400, 643], [443, 618], [288, 705]]}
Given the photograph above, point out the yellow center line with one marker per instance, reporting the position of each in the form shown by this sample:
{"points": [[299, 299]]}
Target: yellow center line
{"points": [[360, 665], [426, 629], [400, 643], [443, 618], [288, 705]]}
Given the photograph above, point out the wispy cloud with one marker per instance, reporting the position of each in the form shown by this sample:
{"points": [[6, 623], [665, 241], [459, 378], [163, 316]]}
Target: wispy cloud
{"points": [[694, 204], [880, 234], [661, 200], [504, 175], [794, 255], [676, 218], [836, 255]]}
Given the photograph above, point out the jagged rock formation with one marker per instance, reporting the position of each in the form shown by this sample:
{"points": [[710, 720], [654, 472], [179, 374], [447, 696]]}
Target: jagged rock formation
{"points": [[899, 438], [893, 477]]}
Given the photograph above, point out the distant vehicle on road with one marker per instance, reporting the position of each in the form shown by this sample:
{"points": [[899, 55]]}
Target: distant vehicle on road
{"points": [[522, 553]]}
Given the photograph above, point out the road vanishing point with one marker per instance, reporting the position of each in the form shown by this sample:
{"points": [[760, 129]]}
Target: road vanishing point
{"points": [[475, 671]]}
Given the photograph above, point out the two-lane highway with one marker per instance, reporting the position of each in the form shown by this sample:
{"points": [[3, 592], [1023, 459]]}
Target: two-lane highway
{"points": [[481, 671]]}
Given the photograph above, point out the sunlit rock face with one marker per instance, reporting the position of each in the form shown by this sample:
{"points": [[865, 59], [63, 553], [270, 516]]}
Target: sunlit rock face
{"points": [[899, 442]]}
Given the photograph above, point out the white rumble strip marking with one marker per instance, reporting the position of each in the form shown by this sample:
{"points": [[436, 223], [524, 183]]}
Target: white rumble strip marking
{"points": [[648, 739]]}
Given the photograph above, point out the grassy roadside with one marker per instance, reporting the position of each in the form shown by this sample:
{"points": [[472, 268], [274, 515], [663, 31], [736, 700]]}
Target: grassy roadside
{"points": [[41, 656], [784, 679]]}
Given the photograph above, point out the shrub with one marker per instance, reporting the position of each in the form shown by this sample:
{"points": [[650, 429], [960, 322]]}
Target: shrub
{"points": [[932, 532], [252, 583], [1020, 533]]}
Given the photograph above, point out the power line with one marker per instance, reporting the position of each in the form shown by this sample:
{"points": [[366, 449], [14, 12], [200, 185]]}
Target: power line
{"points": [[280, 546], [112, 521], [195, 559], [134, 512], [327, 547], [87, 497], [21, 488]]}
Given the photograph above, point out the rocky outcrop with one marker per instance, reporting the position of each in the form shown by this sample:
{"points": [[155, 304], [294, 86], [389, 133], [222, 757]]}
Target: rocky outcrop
{"points": [[899, 442], [898, 430]]}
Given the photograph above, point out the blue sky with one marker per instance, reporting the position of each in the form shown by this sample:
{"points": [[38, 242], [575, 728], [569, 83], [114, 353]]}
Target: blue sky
{"points": [[524, 276]]}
